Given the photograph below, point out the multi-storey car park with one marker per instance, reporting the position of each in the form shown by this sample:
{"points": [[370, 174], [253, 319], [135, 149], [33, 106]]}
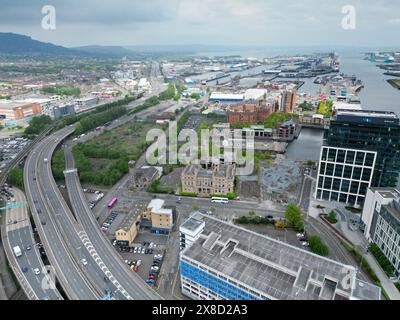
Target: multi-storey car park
{"points": [[223, 261]]}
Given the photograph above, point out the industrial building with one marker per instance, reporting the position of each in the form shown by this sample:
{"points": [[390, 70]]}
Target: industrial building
{"points": [[13, 112], [221, 261], [381, 223], [225, 97], [361, 150]]}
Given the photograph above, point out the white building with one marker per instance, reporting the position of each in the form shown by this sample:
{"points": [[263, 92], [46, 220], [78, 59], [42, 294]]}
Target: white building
{"points": [[190, 231], [381, 222], [255, 94]]}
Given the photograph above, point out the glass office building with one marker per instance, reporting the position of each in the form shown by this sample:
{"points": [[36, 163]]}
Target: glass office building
{"points": [[355, 143]]}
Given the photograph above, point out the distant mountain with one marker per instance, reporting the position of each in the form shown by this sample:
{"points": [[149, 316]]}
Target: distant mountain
{"points": [[16, 44], [114, 51]]}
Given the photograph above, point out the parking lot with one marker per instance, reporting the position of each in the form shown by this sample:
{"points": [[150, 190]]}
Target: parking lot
{"points": [[9, 149], [145, 256]]}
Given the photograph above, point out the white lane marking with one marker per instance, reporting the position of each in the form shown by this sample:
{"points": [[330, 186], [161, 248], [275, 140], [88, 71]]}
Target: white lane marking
{"points": [[89, 246]]}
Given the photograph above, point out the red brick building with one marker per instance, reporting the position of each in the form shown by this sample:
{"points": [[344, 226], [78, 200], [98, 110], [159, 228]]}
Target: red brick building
{"points": [[249, 113], [288, 103]]}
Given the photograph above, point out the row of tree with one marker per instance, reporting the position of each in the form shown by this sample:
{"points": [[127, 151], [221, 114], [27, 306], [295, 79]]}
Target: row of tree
{"points": [[89, 123], [38, 125]]}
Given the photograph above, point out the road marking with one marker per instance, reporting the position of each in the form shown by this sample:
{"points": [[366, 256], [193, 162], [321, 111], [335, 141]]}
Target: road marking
{"points": [[89, 246]]}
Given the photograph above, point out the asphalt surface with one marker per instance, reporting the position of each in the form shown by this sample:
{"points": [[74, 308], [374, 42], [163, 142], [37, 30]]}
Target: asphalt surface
{"points": [[20, 233], [49, 215], [128, 283]]}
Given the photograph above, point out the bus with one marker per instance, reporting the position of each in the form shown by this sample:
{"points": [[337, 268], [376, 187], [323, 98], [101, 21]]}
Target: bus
{"points": [[219, 200], [112, 202]]}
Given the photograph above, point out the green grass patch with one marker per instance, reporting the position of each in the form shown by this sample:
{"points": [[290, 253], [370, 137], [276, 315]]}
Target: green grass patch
{"points": [[104, 160], [62, 90]]}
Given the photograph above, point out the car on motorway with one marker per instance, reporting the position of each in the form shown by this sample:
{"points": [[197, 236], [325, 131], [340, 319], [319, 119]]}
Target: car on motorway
{"points": [[43, 223], [24, 269], [84, 262], [36, 271], [28, 247]]}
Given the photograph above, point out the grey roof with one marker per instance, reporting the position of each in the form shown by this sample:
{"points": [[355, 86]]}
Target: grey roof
{"points": [[192, 224], [275, 269]]}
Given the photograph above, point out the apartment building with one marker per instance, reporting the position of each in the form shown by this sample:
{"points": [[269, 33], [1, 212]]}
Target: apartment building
{"points": [[288, 102], [381, 222], [249, 113]]}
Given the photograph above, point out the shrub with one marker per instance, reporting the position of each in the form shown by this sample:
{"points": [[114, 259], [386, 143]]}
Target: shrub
{"points": [[318, 246]]}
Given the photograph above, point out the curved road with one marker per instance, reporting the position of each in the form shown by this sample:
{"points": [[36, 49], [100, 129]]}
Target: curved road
{"points": [[47, 215], [129, 284]]}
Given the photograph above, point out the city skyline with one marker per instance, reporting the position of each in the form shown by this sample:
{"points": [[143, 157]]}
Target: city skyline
{"points": [[226, 23]]}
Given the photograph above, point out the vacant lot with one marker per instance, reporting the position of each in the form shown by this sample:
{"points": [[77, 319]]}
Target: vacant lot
{"points": [[104, 160]]}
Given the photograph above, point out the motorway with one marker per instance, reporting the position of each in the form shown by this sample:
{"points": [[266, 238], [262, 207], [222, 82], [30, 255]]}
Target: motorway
{"points": [[48, 214], [19, 233], [129, 284]]}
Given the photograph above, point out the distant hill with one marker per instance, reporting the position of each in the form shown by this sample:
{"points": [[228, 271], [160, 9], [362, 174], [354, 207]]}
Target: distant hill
{"points": [[114, 51], [16, 44]]}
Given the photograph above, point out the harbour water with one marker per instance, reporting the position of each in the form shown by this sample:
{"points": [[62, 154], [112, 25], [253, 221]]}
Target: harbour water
{"points": [[377, 94]]}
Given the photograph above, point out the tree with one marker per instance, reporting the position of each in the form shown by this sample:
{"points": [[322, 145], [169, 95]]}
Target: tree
{"points": [[16, 178], [38, 124], [318, 246], [295, 217], [332, 218]]}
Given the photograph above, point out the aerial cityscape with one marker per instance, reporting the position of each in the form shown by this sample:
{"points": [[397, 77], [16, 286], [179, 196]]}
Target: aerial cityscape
{"points": [[185, 156]]}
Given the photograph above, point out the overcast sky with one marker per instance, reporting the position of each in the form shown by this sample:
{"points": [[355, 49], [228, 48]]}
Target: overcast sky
{"points": [[209, 22]]}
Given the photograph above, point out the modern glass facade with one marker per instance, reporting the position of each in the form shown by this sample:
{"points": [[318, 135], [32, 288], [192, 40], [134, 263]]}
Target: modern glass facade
{"points": [[345, 174], [372, 131], [218, 288]]}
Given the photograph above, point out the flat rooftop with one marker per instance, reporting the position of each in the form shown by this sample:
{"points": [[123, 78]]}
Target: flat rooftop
{"points": [[192, 224], [366, 117], [273, 268]]}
